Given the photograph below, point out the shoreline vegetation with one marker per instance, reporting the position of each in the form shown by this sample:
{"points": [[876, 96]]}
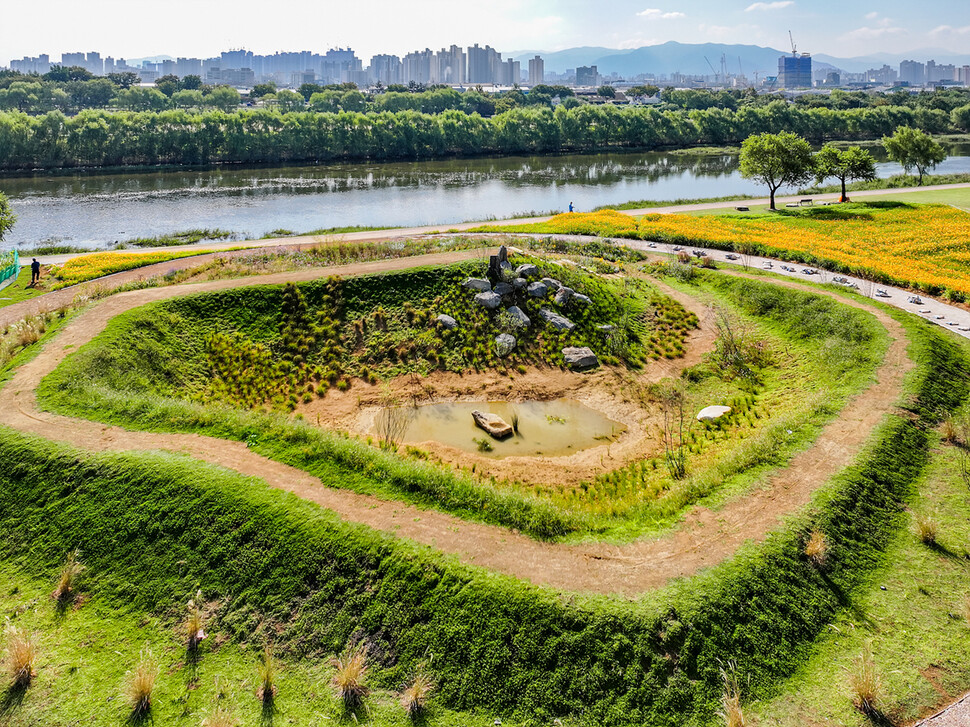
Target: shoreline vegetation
{"points": [[97, 138]]}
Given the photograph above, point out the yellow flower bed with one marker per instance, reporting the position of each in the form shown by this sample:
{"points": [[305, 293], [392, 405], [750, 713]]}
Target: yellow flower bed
{"points": [[921, 246], [88, 267]]}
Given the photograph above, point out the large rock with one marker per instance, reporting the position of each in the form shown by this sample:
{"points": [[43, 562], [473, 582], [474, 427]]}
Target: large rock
{"points": [[712, 413], [580, 357], [447, 321], [562, 296], [537, 289], [520, 283], [605, 328], [502, 289], [477, 284], [580, 298], [504, 344], [552, 283], [555, 320], [489, 300], [493, 424], [519, 316], [527, 271]]}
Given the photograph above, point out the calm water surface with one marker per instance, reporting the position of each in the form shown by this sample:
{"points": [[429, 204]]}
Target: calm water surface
{"points": [[98, 209]]}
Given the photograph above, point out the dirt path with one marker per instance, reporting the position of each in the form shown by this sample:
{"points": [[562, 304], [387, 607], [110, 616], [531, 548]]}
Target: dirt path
{"points": [[705, 539]]}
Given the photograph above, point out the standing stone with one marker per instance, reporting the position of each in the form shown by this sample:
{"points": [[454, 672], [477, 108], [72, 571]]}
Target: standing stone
{"points": [[580, 357]]}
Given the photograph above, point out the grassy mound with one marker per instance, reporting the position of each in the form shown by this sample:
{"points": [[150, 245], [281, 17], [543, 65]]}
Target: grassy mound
{"points": [[157, 527]]}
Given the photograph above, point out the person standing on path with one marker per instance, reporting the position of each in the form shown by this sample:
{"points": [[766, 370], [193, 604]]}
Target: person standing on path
{"points": [[570, 206], [34, 272]]}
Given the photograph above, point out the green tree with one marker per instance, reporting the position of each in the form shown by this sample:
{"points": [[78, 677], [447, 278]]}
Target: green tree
{"points": [[168, 84], [287, 101], [960, 117], [776, 160], [224, 98], [61, 74], [262, 89], [124, 79], [647, 91], [606, 91], [7, 217], [852, 163], [913, 148], [188, 99], [191, 83]]}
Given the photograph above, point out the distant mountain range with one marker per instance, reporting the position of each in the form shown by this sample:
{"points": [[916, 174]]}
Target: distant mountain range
{"points": [[673, 57]]}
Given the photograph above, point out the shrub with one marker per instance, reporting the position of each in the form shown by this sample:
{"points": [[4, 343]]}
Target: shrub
{"points": [[21, 657], [195, 623], [66, 590], [926, 528], [817, 548], [414, 698], [865, 684], [141, 684], [350, 679], [267, 676]]}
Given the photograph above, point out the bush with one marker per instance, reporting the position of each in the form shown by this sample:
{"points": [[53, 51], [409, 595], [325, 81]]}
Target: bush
{"points": [[140, 684], [21, 657], [350, 679]]}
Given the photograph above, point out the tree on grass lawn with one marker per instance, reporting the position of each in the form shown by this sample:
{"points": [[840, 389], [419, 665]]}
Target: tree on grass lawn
{"points": [[852, 163], [776, 160], [7, 217], [914, 149]]}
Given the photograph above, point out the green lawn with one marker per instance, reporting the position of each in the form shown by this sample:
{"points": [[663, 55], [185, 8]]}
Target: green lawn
{"points": [[913, 616], [19, 290]]}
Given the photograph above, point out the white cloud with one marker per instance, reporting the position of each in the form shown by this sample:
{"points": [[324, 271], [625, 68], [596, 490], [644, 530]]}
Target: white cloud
{"points": [[945, 30], [731, 33], [872, 16], [769, 6], [872, 33], [658, 14]]}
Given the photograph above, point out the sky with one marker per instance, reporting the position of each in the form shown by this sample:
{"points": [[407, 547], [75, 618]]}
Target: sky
{"points": [[200, 28]]}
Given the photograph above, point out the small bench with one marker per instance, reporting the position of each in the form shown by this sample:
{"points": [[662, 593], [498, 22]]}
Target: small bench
{"points": [[742, 209], [793, 204], [808, 202]]}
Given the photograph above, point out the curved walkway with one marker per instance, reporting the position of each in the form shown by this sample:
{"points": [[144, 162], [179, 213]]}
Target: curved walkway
{"points": [[705, 539]]}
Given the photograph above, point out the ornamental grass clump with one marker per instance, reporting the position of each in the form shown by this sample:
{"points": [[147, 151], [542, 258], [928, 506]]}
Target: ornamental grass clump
{"points": [[926, 528], [865, 684], [220, 717], [414, 698], [140, 684], [195, 623], [21, 657], [67, 582], [731, 711], [350, 679], [817, 548], [267, 676]]}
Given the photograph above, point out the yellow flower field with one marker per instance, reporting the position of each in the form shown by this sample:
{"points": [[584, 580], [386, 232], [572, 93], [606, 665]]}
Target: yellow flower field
{"points": [[926, 247], [88, 267]]}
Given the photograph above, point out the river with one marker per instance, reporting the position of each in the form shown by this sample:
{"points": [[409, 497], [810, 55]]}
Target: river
{"points": [[96, 209]]}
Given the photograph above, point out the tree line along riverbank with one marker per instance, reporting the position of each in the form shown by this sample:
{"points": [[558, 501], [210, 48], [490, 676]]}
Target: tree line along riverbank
{"points": [[98, 138]]}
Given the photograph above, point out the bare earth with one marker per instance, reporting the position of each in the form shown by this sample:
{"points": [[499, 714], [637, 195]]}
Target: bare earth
{"points": [[706, 538]]}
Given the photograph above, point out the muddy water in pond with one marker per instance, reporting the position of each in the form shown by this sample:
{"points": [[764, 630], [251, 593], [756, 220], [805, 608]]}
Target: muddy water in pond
{"points": [[547, 428]]}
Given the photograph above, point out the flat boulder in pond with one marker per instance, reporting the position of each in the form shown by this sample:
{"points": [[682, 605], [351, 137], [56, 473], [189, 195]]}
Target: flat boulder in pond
{"points": [[580, 357], [494, 425]]}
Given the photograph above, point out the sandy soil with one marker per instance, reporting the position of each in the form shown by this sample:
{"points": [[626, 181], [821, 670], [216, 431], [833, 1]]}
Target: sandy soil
{"points": [[706, 538]]}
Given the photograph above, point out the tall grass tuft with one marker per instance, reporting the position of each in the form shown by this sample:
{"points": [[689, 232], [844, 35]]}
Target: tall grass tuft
{"points": [[350, 679], [21, 657], [926, 528], [141, 684], [195, 623], [731, 711], [865, 684], [415, 696], [817, 548], [220, 717], [267, 676], [66, 590]]}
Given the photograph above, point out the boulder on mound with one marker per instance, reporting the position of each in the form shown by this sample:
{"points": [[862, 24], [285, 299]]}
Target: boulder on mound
{"points": [[538, 290], [520, 283], [712, 413], [504, 344], [519, 316], [562, 296], [477, 284], [489, 300], [527, 271], [580, 298], [447, 321], [494, 425], [502, 289], [580, 357], [555, 320]]}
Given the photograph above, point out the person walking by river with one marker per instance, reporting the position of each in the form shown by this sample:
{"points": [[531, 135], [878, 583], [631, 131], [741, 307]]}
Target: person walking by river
{"points": [[570, 206], [34, 273]]}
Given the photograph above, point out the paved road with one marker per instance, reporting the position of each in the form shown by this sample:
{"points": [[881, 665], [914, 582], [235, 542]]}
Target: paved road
{"points": [[464, 226]]}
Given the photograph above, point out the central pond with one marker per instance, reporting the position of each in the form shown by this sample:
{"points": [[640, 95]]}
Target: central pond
{"points": [[546, 428], [97, 209]]}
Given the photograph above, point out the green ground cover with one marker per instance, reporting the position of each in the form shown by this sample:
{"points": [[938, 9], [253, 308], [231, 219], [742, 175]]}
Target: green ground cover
{"points": [[155, 528], [19, 290], [153, 369]]}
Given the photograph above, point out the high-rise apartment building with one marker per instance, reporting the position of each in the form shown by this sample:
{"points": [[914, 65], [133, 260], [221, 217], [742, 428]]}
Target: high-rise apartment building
{"points": [[912, 72], [537, 71], [386, 69], [795, 71], [587, 76]]}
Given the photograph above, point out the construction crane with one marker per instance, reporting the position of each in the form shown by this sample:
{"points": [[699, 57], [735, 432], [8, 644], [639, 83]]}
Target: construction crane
{"points": [[716, 74], [794, 50], [740, 72]]}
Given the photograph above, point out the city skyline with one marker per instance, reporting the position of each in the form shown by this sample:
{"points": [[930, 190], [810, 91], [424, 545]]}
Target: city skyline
{"points": [[202, 28]]}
